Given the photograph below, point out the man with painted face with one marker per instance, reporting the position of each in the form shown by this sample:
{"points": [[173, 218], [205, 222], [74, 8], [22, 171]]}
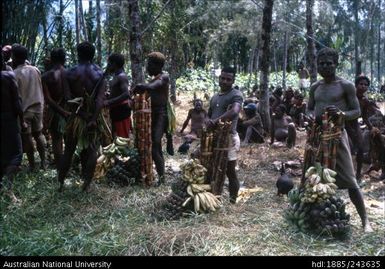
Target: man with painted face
{"points": [[158, 89], [119, 101], [225, 106], [333, 94]]}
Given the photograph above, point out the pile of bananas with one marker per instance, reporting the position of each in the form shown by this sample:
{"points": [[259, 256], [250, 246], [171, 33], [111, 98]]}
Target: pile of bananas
{"points": [[193, 172], [202, 199], [120, 147], [127, 171], [319, 184], [315, 207], [171, 208]]}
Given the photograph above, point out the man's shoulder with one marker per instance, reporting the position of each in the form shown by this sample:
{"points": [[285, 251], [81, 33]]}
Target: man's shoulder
{"points": [[316, 84], [165, 77], [345, 82], [9, 75]]}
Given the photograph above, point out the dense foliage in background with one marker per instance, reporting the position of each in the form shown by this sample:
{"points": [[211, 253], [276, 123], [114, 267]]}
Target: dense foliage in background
{"points": [[201, 33]]}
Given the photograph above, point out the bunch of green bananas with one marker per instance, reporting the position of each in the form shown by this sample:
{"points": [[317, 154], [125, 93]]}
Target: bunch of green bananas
{"points": [[297, 214], [315, 207], [295, 195], [193, 172]]}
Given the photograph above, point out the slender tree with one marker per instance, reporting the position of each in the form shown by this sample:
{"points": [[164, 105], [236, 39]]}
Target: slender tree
{"points": [[61, 23], [77, 25], [98, 34], [135, 42], [311, 52], [265, 62], [82, 21]]}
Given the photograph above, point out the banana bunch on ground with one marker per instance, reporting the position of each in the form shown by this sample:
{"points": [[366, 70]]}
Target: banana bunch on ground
{"points": [[193, 172], [103, 164], [319, 184], [125, 171], [297, 214], [171, 208], [202, 199], [325, 217], [120, 147], [315, 207]]}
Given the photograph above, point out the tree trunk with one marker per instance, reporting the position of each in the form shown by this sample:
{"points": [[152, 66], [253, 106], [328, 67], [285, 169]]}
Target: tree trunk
{"points": [[135, 43], [82, 21], [284, 60], [311, 52], [256, 65], [264, 107], [372, 50], [61, 24], [77, 29], [356, 34], [174, 54], [379, 49], [98, 34]]}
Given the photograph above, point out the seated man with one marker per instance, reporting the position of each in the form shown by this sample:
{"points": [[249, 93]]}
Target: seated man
{"points": [[198, 116], [377, 140], [251, 128], [287, 98], [276, 98], [282, 127], [298, 110]]}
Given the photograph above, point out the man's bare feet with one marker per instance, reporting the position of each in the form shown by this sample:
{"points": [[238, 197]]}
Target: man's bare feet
{"points": [[367, 228]]}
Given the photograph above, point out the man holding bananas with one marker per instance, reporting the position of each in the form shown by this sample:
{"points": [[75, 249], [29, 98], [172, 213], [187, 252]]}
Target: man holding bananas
{"points": [[333, 94]]}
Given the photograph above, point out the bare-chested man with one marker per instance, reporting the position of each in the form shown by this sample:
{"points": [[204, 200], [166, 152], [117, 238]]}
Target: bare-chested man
{"points": [[298, 110], [53, 87], [303, 75], [158, 88], [333, 94], [119, 101], [198, 116], [86, 81], [353, 127], [282, 127], [250, 127]]}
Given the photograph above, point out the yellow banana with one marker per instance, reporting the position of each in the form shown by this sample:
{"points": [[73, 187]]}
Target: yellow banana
{"points": [[196, 204], [311, 170]]}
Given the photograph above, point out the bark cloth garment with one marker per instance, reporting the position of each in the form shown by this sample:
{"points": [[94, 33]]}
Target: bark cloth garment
{"points": [[345, 178]]}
